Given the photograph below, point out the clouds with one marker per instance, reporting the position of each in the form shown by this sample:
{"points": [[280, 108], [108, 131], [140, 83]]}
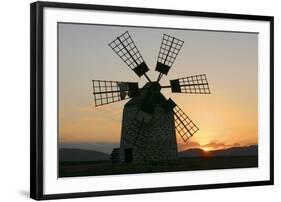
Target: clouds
{"points": [[219, 145], [212, 145]]}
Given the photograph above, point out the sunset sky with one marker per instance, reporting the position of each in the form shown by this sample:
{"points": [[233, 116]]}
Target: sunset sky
{"points": [[227, 117]]}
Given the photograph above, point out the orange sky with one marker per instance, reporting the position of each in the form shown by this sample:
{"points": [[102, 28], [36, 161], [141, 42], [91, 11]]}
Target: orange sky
{"points": [[228, 117]]}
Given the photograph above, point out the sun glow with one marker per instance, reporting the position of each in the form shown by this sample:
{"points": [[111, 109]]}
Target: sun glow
{"points": [[207, 149]]}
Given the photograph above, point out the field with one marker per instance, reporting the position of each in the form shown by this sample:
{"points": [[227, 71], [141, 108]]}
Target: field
{"points": [[93, 168]]}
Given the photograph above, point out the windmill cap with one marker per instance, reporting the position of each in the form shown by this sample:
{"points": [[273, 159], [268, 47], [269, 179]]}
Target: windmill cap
{"points": [[149, 91]]}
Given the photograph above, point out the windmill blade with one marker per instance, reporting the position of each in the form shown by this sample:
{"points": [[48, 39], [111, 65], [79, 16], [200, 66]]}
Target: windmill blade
{"points": [[183, 124], [169, 49], [126, 49], [196, 84], [106, 92]]}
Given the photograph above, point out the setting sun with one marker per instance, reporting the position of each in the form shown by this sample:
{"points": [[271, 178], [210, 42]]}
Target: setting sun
{"points": [[207, 149]]}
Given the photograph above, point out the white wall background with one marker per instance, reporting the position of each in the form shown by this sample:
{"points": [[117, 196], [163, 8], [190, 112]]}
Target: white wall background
{"points": [[14, 100]]}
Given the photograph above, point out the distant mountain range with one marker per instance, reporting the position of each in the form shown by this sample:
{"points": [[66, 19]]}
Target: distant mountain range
{"points": [[234, 151], [71, 154], [68, 154], [105, 147]]}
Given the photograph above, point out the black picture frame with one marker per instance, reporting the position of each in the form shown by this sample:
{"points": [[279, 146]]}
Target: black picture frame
{"points": [[36, 98]]}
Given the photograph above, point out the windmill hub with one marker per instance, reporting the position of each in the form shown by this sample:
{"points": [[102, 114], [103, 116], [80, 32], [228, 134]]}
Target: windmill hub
{"points": [[153, 87]]}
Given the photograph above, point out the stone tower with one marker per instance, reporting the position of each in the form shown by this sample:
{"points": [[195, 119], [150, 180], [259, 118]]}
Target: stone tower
{"points": [[152, 141]]}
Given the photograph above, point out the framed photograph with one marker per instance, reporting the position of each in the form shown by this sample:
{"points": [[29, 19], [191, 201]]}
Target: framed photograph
{"points": [[136, 100]]}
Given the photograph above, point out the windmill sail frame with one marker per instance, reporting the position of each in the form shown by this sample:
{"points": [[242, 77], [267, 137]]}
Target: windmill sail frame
{"points": [[169, 49], [197, 84], [106, 92], [126, 49]]}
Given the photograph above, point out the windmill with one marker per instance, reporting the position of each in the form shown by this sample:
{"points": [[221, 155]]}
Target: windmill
{"points": [[149, 121]]}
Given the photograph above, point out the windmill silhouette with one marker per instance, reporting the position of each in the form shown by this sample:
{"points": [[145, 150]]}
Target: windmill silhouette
{"points": [[149, 121]]}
